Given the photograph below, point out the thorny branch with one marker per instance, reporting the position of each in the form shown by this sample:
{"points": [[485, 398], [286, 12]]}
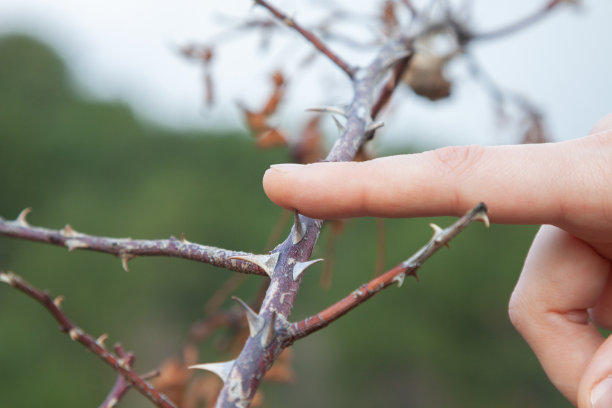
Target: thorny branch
{"points": [[270, 329], [310, 37], [120, 364], [395, 275], [127, 248]]}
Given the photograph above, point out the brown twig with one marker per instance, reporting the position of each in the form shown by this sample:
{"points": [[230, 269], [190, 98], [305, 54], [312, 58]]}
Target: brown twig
{"points": [[317, 43], [120, 364], [441, 238], [127, 248]]}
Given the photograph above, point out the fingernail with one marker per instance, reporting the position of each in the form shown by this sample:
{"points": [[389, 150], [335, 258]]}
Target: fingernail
{"points": [[286, 167], [601, 395]]}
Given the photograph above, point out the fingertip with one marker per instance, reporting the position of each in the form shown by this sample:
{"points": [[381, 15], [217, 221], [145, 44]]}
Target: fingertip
{"points": [[277, 182]]}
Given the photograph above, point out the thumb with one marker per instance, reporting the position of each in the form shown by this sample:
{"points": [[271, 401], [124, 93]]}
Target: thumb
{"points": [[595, 390]]}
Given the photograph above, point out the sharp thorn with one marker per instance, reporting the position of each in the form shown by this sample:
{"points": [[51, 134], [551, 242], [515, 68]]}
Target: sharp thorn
{"points": [[339, 125], [124, 261], [124, 363], [221, 369], [329, 109], [437, 230], [100, 340], [266, 262], [58, 301], [399, 279], [75, 333], [374, 125], [298, 229], [8, 278], [482, 216], [268, 335], [68, 231], [21, 218], [183, 240], [256, 322], [396, 58], [300, 267], [73, 244]]}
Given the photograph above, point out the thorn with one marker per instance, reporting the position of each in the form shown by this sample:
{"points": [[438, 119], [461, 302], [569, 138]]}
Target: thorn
{"points": [[183, 240], [124, 260], [124, 363], [69, 231], [437, 230], [399, 279], [300, 267], [58, 301], [266, 262], [21, 218], [396, 58], [256, 322], [8, 278], [374, 125], [269, 332], [75, 333], [73, 244], [482, 216], [100, 340], [298, 231], [112, 403], [221, 369], [339, 125], [340, 110]]}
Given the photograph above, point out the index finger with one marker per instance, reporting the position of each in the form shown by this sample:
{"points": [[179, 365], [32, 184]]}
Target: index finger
{"points": [[526, 184]]}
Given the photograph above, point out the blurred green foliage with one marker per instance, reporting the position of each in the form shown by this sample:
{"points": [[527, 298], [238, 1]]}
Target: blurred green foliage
{"points": [[442, 342]]}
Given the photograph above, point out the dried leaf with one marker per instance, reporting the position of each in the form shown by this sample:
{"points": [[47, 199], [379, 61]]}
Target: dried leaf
{"points": [[172, 380]]}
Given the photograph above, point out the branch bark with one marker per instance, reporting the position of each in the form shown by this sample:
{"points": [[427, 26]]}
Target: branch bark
{"points": [[127, 248]]}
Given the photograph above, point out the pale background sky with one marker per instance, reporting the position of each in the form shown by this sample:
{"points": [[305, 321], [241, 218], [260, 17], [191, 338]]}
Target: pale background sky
{"points": [[126, 50]]}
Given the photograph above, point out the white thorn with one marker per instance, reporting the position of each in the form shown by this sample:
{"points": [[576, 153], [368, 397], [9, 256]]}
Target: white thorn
{"points": [[300, 267], [183, 240], [100, 340], [124, 363], [58, 301], [399, 279], [329, 109], [268, 334], [112, 403], [298, 231], [221, 369], [437, 231], [75, 333], [266, 262], [21, 218], [124, 261], [396, 58], [339, 125], [7, 278], [484, 218], [69, 231], [373, 126], [256, 323], [73, 244]]}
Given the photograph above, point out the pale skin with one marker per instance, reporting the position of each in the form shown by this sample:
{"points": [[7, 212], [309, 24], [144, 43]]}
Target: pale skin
{"points": [[565, 289]]}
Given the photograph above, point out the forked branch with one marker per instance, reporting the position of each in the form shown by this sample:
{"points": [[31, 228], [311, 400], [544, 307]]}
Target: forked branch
{"points": [[123, 365], [397, 274]]}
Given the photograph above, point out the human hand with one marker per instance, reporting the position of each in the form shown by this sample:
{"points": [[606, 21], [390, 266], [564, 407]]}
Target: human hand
{"points": [[565, 289]]}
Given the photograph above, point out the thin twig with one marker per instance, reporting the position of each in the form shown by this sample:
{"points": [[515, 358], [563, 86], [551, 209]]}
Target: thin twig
{"points": [[441, 238], [517, 25], [127, 248], [121, 365], [317, 43]]}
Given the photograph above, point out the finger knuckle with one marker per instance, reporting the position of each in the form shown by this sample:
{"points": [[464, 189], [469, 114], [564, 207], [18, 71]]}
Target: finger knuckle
{"points": [[458, 160], [516, 311]]}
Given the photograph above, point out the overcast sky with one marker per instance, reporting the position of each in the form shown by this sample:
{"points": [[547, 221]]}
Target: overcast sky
{"points": [[126, 50]]}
